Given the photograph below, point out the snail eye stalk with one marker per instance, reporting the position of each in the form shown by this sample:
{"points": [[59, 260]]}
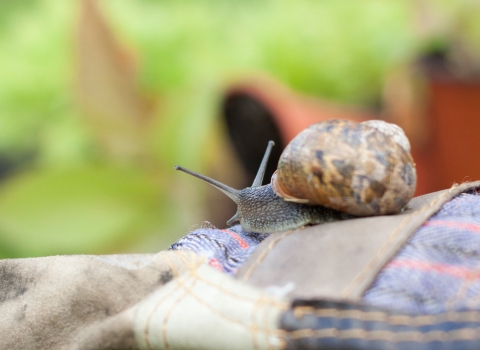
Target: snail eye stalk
{"points": [[263, 165], [230, 192]]}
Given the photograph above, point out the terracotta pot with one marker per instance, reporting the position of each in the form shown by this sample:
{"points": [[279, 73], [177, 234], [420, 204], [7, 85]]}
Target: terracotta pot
{"points": [[454, 120]]}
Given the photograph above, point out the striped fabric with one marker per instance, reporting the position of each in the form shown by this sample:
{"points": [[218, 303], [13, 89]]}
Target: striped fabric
{"points": [[226, 250], [437, 271]]}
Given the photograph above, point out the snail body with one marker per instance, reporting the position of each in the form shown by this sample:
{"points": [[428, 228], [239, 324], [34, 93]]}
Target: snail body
{"points": [[273, 214], [331, 171]]}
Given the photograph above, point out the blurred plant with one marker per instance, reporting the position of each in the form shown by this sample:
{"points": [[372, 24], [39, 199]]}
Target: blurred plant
{"points": [[451, 30], [114, 107], [94, 159], [82, 191]]}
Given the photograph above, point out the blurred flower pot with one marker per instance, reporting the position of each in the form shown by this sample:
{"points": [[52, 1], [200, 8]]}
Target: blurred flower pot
{"points": [[453, 119], [441, 120], [258, 110]]}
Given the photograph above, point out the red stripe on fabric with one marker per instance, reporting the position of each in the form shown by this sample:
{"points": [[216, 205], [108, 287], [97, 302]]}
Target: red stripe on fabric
{"points": [[216, 264], [455, 271], [455, 224], [240, 241]]}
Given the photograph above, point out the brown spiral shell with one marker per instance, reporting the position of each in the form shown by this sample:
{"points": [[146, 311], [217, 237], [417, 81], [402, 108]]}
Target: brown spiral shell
{"points": [[362, 169]]}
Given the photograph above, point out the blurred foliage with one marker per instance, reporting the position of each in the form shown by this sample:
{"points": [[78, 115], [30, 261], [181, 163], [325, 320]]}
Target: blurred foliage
{"points": [[100, 207], [185, 42], [143, 80], [453, 29]]}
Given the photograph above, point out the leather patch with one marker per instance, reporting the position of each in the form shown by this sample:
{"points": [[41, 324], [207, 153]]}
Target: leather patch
{"points": [[339, 259]]}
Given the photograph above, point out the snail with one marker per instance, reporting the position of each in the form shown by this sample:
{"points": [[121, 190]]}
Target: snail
{"points": [[332, 170]]}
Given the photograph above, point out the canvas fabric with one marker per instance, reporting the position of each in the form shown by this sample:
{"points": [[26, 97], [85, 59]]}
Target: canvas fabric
{"points": [[169, 300]]}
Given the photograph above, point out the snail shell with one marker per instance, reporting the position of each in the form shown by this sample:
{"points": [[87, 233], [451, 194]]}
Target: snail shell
{"points": [[361, 169]]}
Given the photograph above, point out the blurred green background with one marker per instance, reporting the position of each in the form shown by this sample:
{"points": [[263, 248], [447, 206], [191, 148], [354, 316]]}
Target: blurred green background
{"points": [[98, 101]]}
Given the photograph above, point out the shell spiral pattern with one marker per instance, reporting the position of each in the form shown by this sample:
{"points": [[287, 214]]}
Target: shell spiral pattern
{"points": [[361, 169]]}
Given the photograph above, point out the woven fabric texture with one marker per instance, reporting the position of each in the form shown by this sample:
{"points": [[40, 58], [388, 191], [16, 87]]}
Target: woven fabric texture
{"points": [[226, 250], [439, 268]]}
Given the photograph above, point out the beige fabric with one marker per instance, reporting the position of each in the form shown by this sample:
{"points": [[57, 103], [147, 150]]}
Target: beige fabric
{"points": [[206, 309], [169, 300], [46, 303], [339, 259]]}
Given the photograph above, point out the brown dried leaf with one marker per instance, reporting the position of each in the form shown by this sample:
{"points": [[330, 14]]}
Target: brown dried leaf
{"points": [[109, 95]]}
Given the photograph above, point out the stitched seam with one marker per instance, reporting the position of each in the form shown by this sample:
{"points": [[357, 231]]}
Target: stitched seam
{"points": [[146, 334], [394, 320], [275, 332], [262, 256], [158, 303], [176, 302], [382, 251], [397, 337], [191, 265], [179, 254], [253, 327], [261, 318], [167, 316], [347, 291], [271, 301], [166, 319], [253, 321], [264, 322], [257, 302]]}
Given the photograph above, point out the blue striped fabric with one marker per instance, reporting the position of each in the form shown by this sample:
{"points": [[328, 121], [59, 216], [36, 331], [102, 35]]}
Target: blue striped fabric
{"points": [[225, 250], [439, 268]]}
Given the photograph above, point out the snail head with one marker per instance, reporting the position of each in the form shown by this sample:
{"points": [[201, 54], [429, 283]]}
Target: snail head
{"points": [[236, 195]]}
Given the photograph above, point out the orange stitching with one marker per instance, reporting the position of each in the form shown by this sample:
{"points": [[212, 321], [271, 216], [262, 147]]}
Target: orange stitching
{"points": [[276, 332], [146, 334], [265, 302], [272, 301], [269, 301], [264, 321], [167, 316], [165, 320], [198, 260], [381, 252], [264, 254], [254, 328], [394, 320], [164, 255], [193, 271], [458, 334], [179, 299], [252, 320]]}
